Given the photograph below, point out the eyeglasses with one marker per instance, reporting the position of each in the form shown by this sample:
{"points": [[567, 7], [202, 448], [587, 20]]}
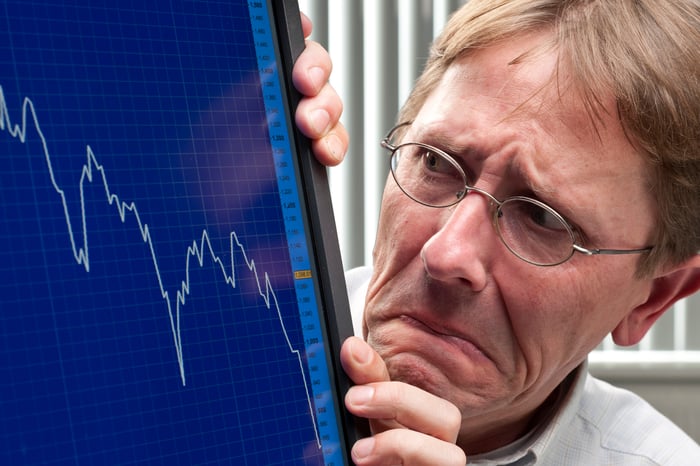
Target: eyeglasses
{"points": [[530, 229]]}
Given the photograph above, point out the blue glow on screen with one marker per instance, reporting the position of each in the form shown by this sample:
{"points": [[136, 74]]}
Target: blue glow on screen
{"points": [[155, 304]]}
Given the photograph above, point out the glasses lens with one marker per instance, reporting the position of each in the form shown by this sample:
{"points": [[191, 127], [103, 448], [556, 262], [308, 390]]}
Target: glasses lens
{"points": [[428, 176], [534, 231]]}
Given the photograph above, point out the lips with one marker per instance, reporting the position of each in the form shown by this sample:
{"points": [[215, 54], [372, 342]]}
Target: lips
{"points": [[452, 338]]}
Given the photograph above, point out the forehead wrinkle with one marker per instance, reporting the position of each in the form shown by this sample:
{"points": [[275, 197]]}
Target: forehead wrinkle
{"points": [[533, 106], [536, 138], [560, 124], [571, 191], [460, 146]]}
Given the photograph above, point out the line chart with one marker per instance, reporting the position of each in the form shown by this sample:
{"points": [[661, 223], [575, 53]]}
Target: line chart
{"points": [[196, 253]]}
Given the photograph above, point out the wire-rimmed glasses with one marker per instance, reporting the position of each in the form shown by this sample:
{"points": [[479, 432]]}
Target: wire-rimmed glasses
{"points": [[529, 228]]}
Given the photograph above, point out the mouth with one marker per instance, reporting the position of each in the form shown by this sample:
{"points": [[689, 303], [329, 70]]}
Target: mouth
{"points": [[448, 338]]}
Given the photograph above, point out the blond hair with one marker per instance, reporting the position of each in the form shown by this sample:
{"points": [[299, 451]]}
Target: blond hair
{"points": [[646, 53]]}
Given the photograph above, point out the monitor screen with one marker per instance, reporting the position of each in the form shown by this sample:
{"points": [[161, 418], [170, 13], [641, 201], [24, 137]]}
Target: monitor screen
{"points": [[159, 300]]}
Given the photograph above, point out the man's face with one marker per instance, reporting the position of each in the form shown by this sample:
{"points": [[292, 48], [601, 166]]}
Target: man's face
{"points": [[449, 308]]}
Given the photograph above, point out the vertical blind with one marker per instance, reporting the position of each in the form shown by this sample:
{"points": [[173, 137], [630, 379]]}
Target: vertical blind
{"points": [[378, 49]]}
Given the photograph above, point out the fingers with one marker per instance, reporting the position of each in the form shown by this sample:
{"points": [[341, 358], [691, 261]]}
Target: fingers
{"points": [[331, 148], [318, 113], [318, 119], [406, 406], [406, 447], [389, 404], [312, 69], [409, 425], [306, 25], [361, 363]]}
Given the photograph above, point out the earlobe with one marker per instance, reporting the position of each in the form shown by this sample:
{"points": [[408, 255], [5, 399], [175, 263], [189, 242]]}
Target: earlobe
{"points": [[666, 289]]}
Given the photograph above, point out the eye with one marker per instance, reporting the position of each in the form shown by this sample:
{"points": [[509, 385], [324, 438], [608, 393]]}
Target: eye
{"points": [[529, 212], [545, 218], [432, 161], [436, 163]]}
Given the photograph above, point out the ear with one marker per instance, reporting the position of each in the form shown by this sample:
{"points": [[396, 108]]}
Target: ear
{"points": [[667, 288]]}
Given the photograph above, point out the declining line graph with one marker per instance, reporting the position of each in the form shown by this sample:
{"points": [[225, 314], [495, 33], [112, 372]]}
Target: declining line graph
{"points": [[93, 171]]}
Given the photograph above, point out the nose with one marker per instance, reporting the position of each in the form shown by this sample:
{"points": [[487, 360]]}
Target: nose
{"points": [[460, 250]]}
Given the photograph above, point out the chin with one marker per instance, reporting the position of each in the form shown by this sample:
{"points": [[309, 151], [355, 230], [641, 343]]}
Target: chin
{"points": [[416, 370], [450, 375]]}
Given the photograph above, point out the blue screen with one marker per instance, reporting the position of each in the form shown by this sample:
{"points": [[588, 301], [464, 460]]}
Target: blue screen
{"points": [[156, 301]]}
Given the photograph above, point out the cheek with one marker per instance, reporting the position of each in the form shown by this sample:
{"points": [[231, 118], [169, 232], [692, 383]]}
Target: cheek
{"points": [[404, 226], [567, 313]]}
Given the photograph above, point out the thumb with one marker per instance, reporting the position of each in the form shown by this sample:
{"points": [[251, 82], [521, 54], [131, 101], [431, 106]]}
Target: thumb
{"points": [[362, 363]]}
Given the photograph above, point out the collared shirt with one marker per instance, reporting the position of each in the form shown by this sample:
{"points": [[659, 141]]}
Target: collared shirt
{"points": [[593, 423]]}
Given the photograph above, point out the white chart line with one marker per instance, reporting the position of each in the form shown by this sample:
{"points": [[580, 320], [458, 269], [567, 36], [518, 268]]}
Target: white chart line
{"points": [[197, 249]]}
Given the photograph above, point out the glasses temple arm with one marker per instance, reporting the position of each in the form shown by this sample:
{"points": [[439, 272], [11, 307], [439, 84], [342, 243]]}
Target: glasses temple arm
{"points": [[595, 252]]}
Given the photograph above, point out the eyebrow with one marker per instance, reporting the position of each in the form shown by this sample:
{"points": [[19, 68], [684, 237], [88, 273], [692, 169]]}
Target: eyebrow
{"points": [[446, 143], [469, 152], [514, 170]]}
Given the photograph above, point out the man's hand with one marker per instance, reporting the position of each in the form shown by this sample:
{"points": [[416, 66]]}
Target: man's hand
{"points": [[318, 113], [409, 426]]}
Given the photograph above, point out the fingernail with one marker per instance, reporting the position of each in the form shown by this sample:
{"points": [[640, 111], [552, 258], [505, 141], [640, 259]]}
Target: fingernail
{"points": [[335, 147], [363, 448], [320, 120], [361, 352], [360, 394], [317, 77]]}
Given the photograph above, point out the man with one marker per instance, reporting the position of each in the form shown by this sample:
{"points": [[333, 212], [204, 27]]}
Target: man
{"points": [[546, 178]]}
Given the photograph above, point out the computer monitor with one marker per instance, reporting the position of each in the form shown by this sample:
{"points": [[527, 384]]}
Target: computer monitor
{"points": [[168, 240]]}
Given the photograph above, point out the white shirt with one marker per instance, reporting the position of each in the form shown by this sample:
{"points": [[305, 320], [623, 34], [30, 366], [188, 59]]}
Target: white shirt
{"points": [[594, 424]]}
